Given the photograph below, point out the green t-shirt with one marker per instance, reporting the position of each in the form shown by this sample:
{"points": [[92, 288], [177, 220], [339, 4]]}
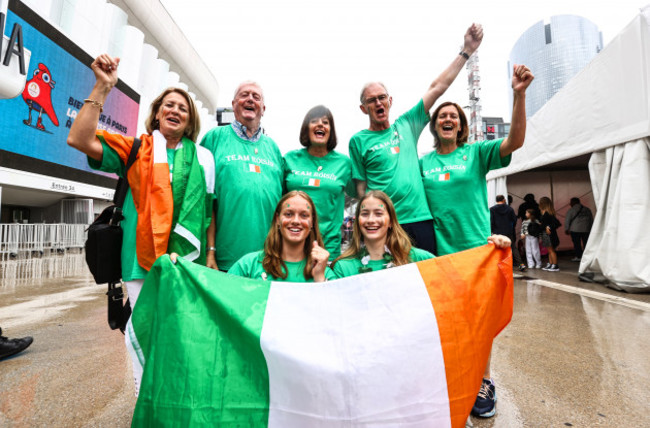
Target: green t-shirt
{"points": [[388, 160], [324, 180], [349, 267], [457, 193], [250, 266], [248, 186]]}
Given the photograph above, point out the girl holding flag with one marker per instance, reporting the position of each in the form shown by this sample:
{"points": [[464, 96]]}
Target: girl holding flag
{"points": [[293, 249]]}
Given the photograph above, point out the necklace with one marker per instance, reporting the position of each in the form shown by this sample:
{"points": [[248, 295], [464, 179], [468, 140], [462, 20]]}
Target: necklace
{"points": [[365, 259]]}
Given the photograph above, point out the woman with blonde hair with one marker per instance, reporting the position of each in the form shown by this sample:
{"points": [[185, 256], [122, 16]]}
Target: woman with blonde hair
{"points": [[167, 206], [293, 249], [550, 239]]}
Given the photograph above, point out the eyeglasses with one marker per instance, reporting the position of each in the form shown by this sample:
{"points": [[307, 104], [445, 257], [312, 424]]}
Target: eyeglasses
{"points": [[380, 98]]}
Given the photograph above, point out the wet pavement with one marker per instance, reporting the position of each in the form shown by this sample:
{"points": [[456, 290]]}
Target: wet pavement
{"points": [[575, 354]]}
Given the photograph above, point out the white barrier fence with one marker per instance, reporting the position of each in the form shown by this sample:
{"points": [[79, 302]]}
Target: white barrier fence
{"points": [[18, 238]]}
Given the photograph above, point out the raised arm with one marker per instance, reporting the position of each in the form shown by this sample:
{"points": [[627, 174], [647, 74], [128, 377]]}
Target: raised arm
{"points": [[473, 38], [82, 132], [521, 79]]}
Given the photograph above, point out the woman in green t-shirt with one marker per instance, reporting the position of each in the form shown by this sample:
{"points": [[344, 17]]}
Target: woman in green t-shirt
{"points": [[378, 241], [293, 249], [322, 173], [453, 175]]}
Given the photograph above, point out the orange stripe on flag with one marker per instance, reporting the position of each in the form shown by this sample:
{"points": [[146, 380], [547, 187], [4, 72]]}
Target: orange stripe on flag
{"points": [[473, 307]]}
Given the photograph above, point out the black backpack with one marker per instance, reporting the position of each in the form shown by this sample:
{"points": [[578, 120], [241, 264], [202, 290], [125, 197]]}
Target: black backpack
{"points": [[534, 229]]}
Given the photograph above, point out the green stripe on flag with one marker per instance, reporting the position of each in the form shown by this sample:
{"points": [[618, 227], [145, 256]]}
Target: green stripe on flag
{"points": [[199, 331]]}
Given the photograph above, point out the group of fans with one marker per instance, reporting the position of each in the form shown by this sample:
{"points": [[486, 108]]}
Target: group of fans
{"points": [[234, 203]]}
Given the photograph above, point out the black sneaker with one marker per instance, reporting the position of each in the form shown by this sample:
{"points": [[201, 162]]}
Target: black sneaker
{"points": [[553, 268], [486, 400], [10, 347], [547, 267]]}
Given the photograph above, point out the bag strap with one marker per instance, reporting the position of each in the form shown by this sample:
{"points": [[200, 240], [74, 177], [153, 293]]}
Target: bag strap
{"points": [[123, 183]]}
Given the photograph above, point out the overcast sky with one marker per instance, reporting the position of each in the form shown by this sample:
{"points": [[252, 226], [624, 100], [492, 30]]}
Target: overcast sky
{"points": [[306, 53]]}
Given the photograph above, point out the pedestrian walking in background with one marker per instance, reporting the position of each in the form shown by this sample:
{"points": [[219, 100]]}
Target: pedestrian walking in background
{"points": [[550, 240], [502, 222], [531, 229], [578, 223]]}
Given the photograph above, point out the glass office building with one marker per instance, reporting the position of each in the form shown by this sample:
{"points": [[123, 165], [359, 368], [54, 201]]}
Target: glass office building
{"points": [[555, 51]]}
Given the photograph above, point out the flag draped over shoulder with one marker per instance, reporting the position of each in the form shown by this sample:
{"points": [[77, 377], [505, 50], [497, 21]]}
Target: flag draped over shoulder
{"points": [[400, 347]]}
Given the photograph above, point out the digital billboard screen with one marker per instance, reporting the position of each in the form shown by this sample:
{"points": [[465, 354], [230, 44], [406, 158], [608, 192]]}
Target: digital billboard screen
{"points": [[36, 123]]}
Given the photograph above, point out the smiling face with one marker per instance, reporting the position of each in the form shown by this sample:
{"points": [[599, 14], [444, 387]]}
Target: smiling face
{"points": [[374, 219], [173, 115], [248, 105], [376, 104], [295, 221], [319, 131], [447, 124]]}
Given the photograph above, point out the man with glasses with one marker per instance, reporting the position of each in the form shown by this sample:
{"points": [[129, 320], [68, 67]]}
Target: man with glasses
{"points": [[385, 157]]}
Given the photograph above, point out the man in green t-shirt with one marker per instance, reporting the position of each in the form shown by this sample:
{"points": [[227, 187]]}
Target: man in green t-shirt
{"points": [[248, 180], [384, 156]]}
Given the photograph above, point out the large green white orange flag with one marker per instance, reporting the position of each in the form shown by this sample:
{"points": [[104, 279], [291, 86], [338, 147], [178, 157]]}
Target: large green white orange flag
{"points": [[400, 347]]}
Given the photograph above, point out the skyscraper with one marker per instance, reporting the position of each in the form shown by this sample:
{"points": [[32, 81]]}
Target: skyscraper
{"points": [[555, 51]]}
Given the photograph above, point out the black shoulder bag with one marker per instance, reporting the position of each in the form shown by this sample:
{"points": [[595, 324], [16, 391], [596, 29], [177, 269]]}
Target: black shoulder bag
{"points": [[104, 249]]}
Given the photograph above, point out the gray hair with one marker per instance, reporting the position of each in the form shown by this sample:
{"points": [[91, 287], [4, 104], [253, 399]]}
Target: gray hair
{"points": [[248, 82], [363, 90]]}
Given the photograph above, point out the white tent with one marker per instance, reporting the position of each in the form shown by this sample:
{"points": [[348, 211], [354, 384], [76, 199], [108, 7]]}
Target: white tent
{"points": [[604, 110]]}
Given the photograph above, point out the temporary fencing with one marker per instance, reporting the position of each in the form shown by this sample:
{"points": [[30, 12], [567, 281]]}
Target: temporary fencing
{"points": [[16, 238]]}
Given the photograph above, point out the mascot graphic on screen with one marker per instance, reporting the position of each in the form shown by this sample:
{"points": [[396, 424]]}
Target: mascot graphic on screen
{"points": [[38, 96]]}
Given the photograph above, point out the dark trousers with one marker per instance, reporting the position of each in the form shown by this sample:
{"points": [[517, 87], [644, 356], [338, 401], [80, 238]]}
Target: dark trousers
{"points": [[579, 242], [516, 255], [422, 235]]}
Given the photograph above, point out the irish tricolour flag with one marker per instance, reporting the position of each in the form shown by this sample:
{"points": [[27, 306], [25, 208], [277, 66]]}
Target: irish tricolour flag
{"points": [[406, 346], [254, 168], [314, 182]]}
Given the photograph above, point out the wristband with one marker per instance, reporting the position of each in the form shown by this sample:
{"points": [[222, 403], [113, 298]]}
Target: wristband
{"points": [[463, 54], [212, 249]]}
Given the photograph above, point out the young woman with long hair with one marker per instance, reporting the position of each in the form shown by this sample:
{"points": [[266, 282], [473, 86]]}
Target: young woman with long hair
{"points": [[293, 249], [378, 241]]}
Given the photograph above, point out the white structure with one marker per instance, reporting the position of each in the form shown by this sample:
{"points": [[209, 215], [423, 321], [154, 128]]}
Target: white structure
{"points": [[602, 116], [474, 88]]}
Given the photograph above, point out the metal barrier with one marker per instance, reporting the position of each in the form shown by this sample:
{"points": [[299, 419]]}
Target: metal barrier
{"points": [[18, 238]]}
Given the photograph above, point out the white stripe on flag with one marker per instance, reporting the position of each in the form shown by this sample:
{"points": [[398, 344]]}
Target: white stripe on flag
{"points": [[182, 231], [377, 360], [159, 147]]}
